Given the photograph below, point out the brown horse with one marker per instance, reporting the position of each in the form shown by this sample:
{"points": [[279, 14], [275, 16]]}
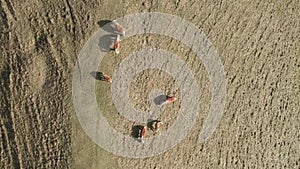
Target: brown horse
{"points": [[154, 125], [170, 99], [142, 133], [119, 27]]}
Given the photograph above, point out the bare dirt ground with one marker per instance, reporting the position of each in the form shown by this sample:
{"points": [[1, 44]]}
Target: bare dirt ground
{"points": [[258, 43]]}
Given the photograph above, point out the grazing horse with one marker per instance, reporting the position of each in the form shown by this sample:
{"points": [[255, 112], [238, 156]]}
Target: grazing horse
{"points": [[156, 125], [170, 99], [117, 44], [142, 134], [119, 27], [107, 78]]}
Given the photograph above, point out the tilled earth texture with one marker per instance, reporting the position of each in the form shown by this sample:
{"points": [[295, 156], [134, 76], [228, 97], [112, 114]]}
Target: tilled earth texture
{"points": [[258, 43]]}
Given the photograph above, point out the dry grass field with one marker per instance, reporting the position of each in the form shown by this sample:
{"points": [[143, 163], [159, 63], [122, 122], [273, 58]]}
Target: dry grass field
{"points": [[258, 43]]}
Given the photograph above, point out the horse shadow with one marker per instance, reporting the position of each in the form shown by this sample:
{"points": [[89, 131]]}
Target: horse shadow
{"points": [[98, 75], [159, 100], [106, 42], [105, 25], [136, 130], [150, 123], [108, 26]]}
